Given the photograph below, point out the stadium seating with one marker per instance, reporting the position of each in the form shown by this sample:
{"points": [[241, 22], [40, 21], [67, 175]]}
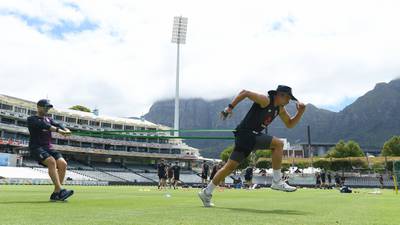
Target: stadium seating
{"points": [[131, 177], [142, 168], [108, 167], [22, 172], [263, 180], [151, 176], [69, 174], [113, 172], [99, 175], [77, 166], [369, 181], [302, 180], [30, 163], [190, 178]]}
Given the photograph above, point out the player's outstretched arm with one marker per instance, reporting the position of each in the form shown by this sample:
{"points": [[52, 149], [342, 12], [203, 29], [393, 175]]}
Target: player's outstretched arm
{"points": [[291, 122]]}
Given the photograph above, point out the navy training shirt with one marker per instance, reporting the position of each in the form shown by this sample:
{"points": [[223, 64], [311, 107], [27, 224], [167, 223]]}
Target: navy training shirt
{"points": [[177, 170], [161, 169], [258, 118], [39, 130]]}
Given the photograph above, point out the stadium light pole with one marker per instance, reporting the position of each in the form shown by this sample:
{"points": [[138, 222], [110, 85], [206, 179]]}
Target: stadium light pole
{"points": [[179, 37]]}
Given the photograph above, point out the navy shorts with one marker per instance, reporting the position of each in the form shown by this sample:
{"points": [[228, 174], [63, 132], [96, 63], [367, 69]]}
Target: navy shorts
{"points": [[42, 153], [246, 142]]}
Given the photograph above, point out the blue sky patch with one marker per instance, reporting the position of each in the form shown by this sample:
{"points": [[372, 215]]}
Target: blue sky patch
{"points": [[341, 105], [58, 30], [279, 25], [71, 5]]}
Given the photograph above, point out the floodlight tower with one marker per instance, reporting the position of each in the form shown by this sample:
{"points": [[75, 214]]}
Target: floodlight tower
{"points": [[179, 37]]}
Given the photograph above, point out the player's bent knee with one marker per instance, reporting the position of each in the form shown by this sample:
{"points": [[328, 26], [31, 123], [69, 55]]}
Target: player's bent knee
{"points": [[50, 161], [61, 164]]}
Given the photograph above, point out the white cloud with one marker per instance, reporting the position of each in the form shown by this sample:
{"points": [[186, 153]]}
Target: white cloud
{"points": [[329, 51]]}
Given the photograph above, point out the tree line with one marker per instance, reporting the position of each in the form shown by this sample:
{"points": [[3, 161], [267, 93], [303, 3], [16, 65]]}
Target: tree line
{"points": [[337, 158]]}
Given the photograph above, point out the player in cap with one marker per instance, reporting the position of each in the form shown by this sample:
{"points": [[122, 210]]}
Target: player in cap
{"points": [[40, 128], [251, 134]]}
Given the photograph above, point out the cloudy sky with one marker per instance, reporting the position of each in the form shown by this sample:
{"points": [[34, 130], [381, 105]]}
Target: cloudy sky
{"points": [[117, 55]]}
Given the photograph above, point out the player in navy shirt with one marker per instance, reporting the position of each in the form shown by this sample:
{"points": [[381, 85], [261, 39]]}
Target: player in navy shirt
{"points": [[40, 127], [252, 134], [177, 171], [162, 174]]}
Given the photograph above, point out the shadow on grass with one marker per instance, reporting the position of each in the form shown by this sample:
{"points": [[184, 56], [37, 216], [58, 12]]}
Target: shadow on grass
{"points": [[28, 202], [274, 211]]}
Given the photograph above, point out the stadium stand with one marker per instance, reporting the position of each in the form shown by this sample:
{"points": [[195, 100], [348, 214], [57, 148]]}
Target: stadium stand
{"points": [[99, 175], [131, 177], [22, 172], [369, 181], [108, 167], [69, 174]]}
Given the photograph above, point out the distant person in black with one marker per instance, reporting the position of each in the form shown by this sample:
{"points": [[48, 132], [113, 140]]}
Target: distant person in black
{"points": [[318, 180], [162, 176], [342, 180], [248, 177], [170, 174], [381, 180], [329, 180], [40, 127], [214, 171], [251, 135], [337, 180], [323, 179], [176, 172], [205, 169]]}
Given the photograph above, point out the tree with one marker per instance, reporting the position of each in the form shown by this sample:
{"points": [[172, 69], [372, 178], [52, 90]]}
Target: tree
{"points": [[263, 154], [80, 108], [354, 149], [392, 147], [343, 150], [264, 163], [227, 152], [303, 165], [322, 163], [263, 159], [340, 148]]}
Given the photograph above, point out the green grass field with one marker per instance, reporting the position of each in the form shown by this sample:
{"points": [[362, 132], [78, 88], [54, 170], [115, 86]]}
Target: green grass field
{"points": [[147, 205]]}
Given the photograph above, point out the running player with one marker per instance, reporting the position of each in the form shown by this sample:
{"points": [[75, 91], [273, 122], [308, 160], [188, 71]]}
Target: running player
{"points": [[249, 135], [214, 171]]}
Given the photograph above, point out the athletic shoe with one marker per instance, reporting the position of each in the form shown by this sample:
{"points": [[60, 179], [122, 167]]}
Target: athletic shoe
{"points": [[64, 194], [205, 198], [55, 196], [282, 186]]}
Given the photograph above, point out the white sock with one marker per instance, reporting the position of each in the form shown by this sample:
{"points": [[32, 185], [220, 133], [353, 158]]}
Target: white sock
{"points": [[276, 175], [210, 188]]}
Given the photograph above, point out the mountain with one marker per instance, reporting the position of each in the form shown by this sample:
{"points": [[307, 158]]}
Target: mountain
{"points": [[370, 120]]}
